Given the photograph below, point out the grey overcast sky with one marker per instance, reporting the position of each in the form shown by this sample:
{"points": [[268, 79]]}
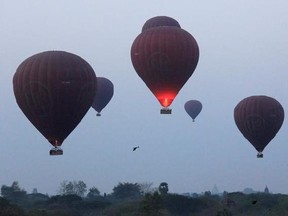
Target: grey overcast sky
{"points": [[243, 52]]}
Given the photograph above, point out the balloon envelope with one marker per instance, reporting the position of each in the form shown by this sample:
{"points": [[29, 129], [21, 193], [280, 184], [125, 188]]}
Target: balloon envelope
{"points": [[165, 58], [193, 108], [105, 91], [54, 89], [159, 21], [259, 118]]}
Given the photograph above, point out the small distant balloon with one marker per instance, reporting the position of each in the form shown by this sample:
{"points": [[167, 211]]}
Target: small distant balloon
{"points": [[54, 90], [259, 118], [104, 93], [193, 108]]}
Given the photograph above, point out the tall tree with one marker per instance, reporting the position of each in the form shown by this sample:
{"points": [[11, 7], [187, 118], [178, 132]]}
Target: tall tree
{"points": [[163, 188], [93, 193], [126, 190], [13, 193], [78, 188]]}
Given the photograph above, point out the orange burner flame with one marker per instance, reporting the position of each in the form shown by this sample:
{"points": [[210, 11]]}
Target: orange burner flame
{"points": [[166, 99]]}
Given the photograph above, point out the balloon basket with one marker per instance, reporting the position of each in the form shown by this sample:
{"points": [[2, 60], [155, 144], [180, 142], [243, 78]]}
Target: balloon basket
{"points": [[98, 114], [165, 111], [56, 151], [260, 155]]}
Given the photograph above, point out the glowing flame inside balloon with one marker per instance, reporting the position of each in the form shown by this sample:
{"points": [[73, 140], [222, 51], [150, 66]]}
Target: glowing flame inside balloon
{"points": [[166, 99]]}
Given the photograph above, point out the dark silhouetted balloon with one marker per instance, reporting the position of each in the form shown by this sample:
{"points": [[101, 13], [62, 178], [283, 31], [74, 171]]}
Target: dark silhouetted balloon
{"points": [[165, 58], [259, 118], [159, 21], [105, 91], [193, 108], [54, 89]]}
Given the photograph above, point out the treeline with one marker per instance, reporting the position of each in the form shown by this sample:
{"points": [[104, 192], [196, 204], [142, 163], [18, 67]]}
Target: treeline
{"points": [[134, 199]]}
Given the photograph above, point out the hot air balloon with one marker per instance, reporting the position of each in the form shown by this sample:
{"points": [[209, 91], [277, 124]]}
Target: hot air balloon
{"points": [[159, 21], [193, 108], [164, 58], [259, 118], [54, 89], [105, 91]]}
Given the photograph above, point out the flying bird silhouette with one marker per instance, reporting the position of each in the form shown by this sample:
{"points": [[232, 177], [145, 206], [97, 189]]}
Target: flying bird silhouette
{"points": [[135, 148]]}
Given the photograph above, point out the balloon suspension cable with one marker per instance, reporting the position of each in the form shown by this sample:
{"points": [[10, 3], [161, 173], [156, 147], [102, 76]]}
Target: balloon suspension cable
{"points": [[193, 120], [259, 155], [165, 110]]}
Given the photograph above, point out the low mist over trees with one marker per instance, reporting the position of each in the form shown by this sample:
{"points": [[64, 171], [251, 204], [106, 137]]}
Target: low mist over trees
{"points": [[141, 199]]}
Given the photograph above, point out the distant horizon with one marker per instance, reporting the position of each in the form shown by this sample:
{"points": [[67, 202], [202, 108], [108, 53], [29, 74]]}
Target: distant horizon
{"points": [[250, 189]]}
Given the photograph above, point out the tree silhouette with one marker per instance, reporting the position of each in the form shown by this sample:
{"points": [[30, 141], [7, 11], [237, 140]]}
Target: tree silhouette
{"points": [[93, 193], [126, 190], [13, 193], [163, 188], [78, 188]]}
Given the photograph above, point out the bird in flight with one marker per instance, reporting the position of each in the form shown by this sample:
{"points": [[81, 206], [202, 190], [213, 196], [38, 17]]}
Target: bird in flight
{"points": [[135, 148]]}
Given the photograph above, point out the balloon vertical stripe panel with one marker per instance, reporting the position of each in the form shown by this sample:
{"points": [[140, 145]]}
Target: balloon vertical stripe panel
{"points": [[54, 89]]}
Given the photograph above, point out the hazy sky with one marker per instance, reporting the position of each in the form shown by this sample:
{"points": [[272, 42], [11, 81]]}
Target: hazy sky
{"points": [[243, 52]]}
